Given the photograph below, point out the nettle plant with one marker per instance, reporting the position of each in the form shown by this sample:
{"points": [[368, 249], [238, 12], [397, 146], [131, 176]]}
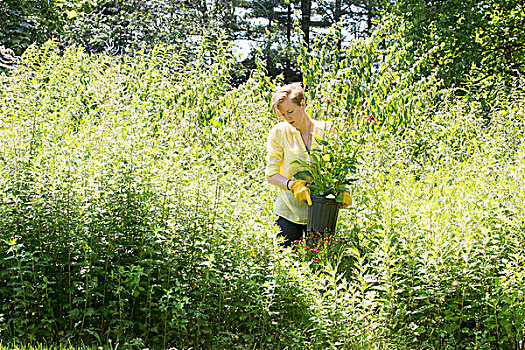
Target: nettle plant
{"points": [[332, 167]]}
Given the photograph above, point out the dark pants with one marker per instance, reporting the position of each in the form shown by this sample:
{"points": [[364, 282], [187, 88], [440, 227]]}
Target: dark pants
{"points": [[289, 230]]}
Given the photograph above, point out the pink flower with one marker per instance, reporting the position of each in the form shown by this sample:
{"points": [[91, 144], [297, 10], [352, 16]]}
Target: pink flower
{"points": [[327, 101], [370, 119]]}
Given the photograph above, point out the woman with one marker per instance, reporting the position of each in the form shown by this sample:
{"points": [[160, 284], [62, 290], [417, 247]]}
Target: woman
{"points": [[290, 140]]}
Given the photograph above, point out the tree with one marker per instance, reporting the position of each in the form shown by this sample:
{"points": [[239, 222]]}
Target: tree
{"points": [[485, 36], [278, 28], [306, 13], [356, 18], [129, 24], [23, 22], [269, 26]]}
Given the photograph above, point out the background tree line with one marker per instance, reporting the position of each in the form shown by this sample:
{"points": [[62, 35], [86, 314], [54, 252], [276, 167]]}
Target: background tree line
{"points": [[474, 38]]}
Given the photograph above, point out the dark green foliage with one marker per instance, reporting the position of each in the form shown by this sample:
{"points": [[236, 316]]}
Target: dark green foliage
{"points": [[24, 22], [487, 37], [127, 26]]}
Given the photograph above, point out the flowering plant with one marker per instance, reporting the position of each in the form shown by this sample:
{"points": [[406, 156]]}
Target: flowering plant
{"points": [[318, 250], [332, 167]]}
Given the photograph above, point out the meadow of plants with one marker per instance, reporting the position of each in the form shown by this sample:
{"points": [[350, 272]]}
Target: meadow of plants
{"points": [[134, 212]]}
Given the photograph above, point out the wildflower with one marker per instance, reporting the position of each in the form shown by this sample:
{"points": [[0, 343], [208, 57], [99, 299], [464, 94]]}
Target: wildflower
{"points": [[370, 119], [326, 157], [327, 101]]}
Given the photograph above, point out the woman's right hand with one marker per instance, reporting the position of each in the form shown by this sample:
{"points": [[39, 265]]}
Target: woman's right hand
{"points": [[346, 200], [301, 192]]}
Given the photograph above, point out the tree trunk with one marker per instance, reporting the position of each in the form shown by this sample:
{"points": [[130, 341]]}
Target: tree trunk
{"points": [[306, 11], [287, 62], [289, 24], [369, 16], [337, 18]]}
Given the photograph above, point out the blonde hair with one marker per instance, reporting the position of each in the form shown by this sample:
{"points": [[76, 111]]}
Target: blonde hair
{"points": [[294, 91]]}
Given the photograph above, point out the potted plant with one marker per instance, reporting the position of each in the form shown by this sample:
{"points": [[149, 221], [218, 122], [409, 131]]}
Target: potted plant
{"points": [[329, 173]]}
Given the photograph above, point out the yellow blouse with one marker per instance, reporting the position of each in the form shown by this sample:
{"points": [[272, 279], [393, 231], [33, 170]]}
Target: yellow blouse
{"points": [[284, 146]]}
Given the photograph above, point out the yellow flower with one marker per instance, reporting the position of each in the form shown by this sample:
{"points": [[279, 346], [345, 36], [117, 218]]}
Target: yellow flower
{"points": [[326, 157]]}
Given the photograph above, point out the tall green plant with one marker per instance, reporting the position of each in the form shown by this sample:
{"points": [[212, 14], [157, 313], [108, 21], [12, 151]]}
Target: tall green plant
{"points": [[373, 78]]}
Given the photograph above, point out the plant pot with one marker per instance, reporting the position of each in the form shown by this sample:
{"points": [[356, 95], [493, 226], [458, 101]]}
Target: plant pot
{"points": [[322, 215]]}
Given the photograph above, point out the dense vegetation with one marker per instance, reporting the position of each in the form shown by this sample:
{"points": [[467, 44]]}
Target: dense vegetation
{"points": [[273, 27], [134, 209], [475, 38]]}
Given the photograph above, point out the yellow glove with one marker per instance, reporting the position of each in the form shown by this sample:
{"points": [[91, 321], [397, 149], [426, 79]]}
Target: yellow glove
{"points": [[347, 200], [301, 192]]}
